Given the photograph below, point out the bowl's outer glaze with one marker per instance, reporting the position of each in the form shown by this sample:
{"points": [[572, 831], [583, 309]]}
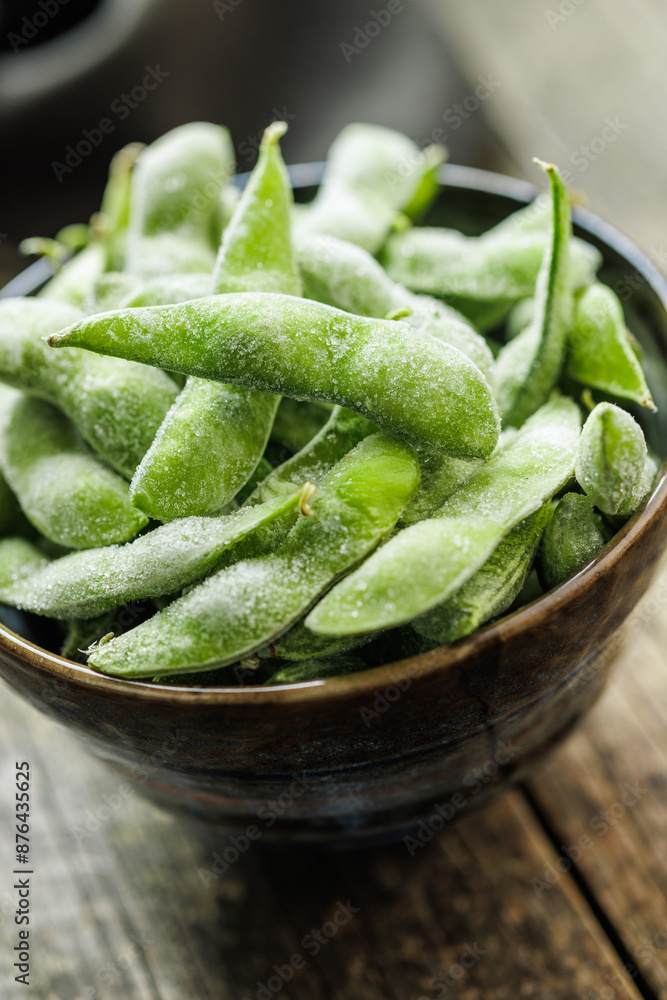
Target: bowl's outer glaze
{"points": [[367, 756]]}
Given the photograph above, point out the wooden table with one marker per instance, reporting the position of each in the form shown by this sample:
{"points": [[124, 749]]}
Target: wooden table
{"points": [[556, 890]]}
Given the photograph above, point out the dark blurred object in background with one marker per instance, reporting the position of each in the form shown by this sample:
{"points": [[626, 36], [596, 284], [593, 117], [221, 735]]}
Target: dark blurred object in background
{"points": [[92, 76]]}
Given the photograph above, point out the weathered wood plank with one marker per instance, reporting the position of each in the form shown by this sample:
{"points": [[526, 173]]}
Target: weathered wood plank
{"points": [[127, 902], [560, 78]]}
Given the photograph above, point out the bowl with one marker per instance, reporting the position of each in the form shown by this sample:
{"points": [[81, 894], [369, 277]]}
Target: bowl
{"points": [[404, 748]]}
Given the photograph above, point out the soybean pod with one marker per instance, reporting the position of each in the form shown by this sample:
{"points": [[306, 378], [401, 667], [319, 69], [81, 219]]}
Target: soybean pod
{"points": [[246, 605], [424, 564], [418, 388], [214, 435]]}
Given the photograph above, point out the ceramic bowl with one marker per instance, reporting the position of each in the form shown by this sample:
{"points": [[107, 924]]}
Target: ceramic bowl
{"points": [[410, 745]]}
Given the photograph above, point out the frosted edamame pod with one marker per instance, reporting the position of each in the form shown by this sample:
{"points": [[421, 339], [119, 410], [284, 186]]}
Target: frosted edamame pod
{"points": [[83, 633], [110, 291], [174, 206], [213, 437], [441, 476], [166, 290], [299, 643], [611, 459], [492, 589], [372, 173], [348, 277], [424, 564], [341, 433], [64, 491], [418, 388], [528, 367], [599, 350], [574, 535], [297, 422], [117, 407], [19, 559], [482, 275], [315, 670], [246, 605], [86, 584]]}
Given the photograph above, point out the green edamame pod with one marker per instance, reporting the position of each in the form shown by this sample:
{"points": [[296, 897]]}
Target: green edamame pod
{"points": [[82, 634], [372, 173], [441, 476], [492, 589], [86, 584], [74, 282], [11, 517], [174, 206], [424, 564], [574, 535], [213, 437], [299, 643], [117, 407], [341, 433], [528, 367], [599, 350], [611, 459], [297, 422], [19, 559], [244, 606], [418, 388], [110, 291], [166, 290], [482, 276], [348, 277], [64, 491], [315, 670]]}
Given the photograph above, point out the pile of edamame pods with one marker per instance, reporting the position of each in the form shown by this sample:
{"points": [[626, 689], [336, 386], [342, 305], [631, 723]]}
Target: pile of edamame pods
{"points": [[299, 441]]}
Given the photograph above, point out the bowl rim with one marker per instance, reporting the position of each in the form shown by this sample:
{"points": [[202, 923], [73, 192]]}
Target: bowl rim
{"points": [[443, 658]]}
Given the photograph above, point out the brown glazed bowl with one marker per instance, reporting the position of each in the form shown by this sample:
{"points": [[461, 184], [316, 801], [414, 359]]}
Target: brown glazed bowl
{"points": [[364, 757]]}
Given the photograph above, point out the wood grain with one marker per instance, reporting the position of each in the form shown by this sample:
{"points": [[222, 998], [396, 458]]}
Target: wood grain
{"points": [[127, 902]]}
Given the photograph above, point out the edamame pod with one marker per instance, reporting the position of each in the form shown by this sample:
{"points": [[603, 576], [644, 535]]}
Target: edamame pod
{"points": [[299, 643], [599, 350], [64, 491], [315, 670], [424, 564], [489, 272], [213, 437], [165, 291], [116, 406], [297, 422], [611, 459], [110, 291], [341, 433], [246, 605], [19, 559], [418, 388], [174, 206], [528, 367], [85, 584], [348, 277], [574, 535], [492, 589], [372, 173]]}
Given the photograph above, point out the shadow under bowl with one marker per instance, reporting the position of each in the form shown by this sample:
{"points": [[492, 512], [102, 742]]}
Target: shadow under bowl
{"points": [[362, 758]]}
